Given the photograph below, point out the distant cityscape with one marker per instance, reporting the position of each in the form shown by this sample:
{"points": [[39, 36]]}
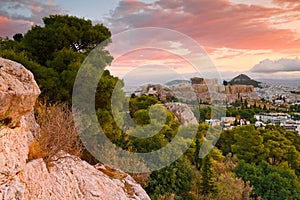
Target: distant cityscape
{"points": [[276, 104]]}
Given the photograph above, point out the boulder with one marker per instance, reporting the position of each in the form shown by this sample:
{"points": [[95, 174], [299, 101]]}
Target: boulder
{"points": [[71, 178], [18, 91]]}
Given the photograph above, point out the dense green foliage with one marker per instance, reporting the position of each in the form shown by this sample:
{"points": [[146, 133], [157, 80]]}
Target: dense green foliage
{"points": [[55, 52], [270, 182], [61, 32], [173, 179], [268, 158], [207, 184]]}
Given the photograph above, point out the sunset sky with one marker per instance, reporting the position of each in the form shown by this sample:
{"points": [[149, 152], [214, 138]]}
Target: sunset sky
{"points": [[261, 39]]}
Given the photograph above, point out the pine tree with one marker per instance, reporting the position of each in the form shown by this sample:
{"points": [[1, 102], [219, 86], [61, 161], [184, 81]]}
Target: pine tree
{"points": [[197, 160], [207, 184]]}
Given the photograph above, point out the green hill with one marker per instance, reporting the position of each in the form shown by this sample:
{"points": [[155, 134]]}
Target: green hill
{"points": [[243, 79]]}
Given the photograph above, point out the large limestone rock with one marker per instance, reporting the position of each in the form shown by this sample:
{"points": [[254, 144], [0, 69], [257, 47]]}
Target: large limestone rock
{"points": [[12, 190], [18, 90], [13, 151], [71, 178], [68, 177], [18, 93]]}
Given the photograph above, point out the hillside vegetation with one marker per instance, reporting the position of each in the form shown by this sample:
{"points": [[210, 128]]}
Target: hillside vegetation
{"points": [[243, 79]]}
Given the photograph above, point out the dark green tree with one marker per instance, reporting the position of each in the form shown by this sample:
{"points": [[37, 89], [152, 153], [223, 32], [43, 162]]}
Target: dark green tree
{"points": [[197, 160], [225, 141], [18, 37], [61, 32], [174, 179], [249, 144], [207, 184], [270, 182], [277, 146], [54, 52]]}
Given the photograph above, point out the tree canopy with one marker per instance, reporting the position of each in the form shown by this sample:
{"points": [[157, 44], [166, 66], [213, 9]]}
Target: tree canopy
{"points": [[54, 52], [61, 32]]}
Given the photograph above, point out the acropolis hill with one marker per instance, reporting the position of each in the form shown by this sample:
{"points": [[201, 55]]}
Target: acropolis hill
{"points": [[204, 90]]}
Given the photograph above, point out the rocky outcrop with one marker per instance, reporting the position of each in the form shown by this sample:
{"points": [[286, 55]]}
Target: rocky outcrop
{"points": [[18, 90], [236, 92], [182, 112], [71, 178], [67, 177], [205, 90], [203, 81], [13, 151], [162, 93], [18, 93], [235, 89], [216, 93]]}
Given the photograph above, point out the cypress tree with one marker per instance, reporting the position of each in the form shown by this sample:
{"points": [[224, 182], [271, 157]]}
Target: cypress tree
{"points": [[207, 184]]}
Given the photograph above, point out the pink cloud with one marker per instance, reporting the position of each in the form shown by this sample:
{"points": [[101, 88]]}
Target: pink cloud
{"points": [[149, 56], [215, 24], [19, 16], [127, 7], [9, 27], [287, 3]]}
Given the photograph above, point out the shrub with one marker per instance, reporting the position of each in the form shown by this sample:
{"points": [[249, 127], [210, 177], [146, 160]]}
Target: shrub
{"points": [[6, 120], [57, 133]]}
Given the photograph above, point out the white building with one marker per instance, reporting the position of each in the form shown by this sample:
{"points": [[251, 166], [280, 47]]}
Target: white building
{"points": [[273, 117], [244, 122], [213, 122]]}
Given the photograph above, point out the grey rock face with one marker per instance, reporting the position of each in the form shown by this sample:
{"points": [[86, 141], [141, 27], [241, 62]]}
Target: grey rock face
{"points": [[182, 112]]}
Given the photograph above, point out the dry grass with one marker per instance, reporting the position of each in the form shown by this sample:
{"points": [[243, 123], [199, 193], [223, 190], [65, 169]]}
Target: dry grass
{"points": [[141, 178], [57, 132], [113, 173]]}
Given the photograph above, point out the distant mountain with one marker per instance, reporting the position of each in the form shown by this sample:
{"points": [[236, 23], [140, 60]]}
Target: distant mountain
{"points": [[288, 82], [176, 82], [243, 79]]}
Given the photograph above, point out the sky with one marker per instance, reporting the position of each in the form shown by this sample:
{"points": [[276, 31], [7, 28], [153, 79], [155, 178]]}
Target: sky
{"points": [[260, 38]]}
